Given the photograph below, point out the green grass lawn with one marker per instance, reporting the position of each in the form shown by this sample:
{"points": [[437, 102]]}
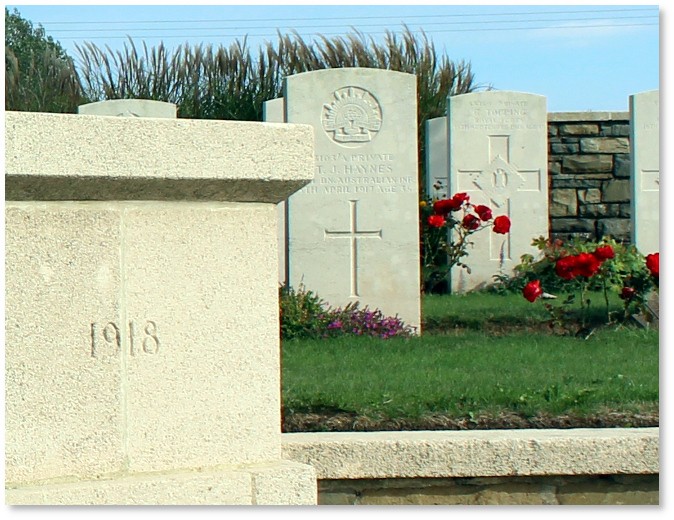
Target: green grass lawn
{"points": [[461, 368]]}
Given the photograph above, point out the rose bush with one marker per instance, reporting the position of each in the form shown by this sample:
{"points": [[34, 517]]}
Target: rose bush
{"points": [[585, 266], [446, 228]]}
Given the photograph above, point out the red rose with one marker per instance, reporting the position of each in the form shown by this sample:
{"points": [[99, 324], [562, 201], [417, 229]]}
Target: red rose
{"points": [[604, 253], [483, 212], [653, 264], [628, 293], [587, 265], [532, 290], [436, 221], [501, 225], [445, 206], [471, 222], [566, 267], [460, 198]]}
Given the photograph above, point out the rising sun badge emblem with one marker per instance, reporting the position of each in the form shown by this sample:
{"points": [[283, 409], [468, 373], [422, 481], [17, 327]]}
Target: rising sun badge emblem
{"points": [[353, 117]]}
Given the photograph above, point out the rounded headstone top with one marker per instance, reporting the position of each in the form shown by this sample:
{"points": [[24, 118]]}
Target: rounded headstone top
{"points": [[129, 108]]}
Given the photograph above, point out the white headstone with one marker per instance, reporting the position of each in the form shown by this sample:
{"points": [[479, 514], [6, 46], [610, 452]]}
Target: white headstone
{"points": [[645, 179], [498, 156], [273, 111], [353, 232], [129, 108], [437, 173]]}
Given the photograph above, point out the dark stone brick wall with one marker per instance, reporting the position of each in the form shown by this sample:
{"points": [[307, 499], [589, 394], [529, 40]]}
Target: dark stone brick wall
{"points": [[589, 174], [538, 490]]}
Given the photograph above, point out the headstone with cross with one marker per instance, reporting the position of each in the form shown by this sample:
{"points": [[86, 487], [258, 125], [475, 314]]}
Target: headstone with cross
{"points": [[645, 178], [497, 154], [353, 233]]}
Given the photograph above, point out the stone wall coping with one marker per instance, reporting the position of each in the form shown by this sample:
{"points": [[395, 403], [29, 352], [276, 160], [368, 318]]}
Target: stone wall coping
{"points": [[476, 453], [83, 157], [581, 117]]}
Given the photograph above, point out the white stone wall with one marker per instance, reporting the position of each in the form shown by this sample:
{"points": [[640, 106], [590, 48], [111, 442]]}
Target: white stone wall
{"points": [[142, 334]]}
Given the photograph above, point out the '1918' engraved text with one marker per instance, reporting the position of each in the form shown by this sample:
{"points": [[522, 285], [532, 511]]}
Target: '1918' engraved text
{"points": [[106, 339]]}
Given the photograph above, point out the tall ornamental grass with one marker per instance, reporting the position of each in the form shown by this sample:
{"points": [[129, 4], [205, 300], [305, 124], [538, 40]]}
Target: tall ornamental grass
{"points": [[232, 82]]}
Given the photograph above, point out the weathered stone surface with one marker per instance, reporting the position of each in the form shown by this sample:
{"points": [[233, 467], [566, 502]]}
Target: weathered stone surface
{"points": [[142, 348], [284, 483], [605, 145], [588, 163], [645, 139], [615, 227], [353, 233], [564, 148], [579, 181], [278, 484], [129, 108], [563, 203], [273, 111], [63, 406], [224, 487], [498, 156], [437, 172], [586, 116], [495, 453], [599, 210], [616, 191], [586, 129], [133, 158], [574, 225], [200, 417], [620, 130], [622, 166], [589, 196], [616, 490], [555, 167], [539, 490], [513, 494], [577, 170]]}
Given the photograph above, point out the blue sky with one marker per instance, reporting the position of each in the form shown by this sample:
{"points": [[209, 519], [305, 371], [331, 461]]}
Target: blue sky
{"points": [[580, 56]]}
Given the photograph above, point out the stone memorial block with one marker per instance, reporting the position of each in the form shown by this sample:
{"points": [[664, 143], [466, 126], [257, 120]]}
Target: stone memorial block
{"points": [[353, 232], [273, 112], [645, 178], [129, 108], [142, 336], [497, 144], [437, 172]]}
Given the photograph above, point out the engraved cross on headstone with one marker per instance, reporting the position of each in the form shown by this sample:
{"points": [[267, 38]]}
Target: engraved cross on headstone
{"points": [[499, 180], [353, 234]]}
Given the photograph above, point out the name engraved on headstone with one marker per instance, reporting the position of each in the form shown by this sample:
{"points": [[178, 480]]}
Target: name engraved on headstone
{"points": [[106, 338], [358, 173], [501, 115]]}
